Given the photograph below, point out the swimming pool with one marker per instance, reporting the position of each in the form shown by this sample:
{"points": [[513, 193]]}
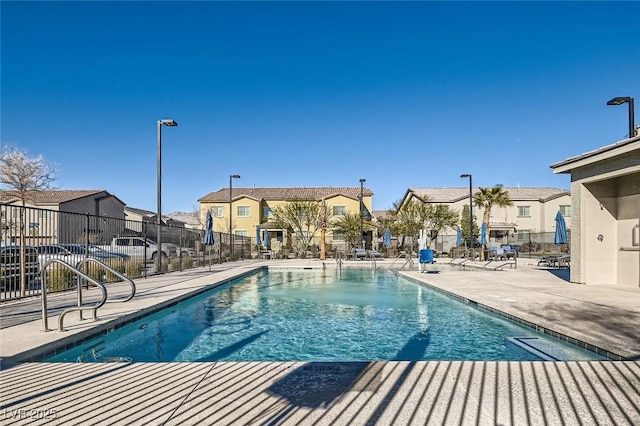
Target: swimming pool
{"points": [[322, 315]]}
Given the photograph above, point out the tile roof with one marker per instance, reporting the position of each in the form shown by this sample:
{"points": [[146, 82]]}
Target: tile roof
{"points": [[52, 196], [278, 194], [448, 195]]}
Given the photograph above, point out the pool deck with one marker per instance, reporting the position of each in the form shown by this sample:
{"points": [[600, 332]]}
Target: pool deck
{"points": [[356, 393]]}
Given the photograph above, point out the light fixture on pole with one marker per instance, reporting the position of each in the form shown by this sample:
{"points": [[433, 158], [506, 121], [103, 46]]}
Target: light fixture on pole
{"points": [[168, 123], [362, 181], [622, 100], [470, 209], [231, 177]]}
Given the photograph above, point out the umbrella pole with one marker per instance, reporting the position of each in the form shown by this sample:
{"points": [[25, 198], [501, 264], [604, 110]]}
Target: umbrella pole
{"points": [[209, 258]]}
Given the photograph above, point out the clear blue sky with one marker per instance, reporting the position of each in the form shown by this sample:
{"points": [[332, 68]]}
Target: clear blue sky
{"points": [[314, 94]]}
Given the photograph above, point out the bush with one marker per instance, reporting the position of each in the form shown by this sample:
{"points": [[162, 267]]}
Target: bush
{"points": [[59, 279], [175, 264], [133, 268]]}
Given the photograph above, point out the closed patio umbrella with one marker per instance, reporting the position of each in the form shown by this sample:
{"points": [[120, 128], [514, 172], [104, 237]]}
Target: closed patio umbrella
{"points": [[561, 230], [208, 239], [258, 240], [483, 240], [458, 236], [483, 234], [267, 239], [386, 239]]}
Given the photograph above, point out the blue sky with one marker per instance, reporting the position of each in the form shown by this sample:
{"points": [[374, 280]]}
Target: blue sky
{"points": [[404, 94]]}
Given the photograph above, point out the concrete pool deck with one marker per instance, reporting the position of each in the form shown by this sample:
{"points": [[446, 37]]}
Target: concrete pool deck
{"points": [[384, 392]]}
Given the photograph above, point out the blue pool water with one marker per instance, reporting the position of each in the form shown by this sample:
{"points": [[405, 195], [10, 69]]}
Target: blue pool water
{"points": [[315, 315]]}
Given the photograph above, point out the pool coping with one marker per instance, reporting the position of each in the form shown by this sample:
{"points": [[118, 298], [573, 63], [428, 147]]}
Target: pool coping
{"points": [[537, 327]]}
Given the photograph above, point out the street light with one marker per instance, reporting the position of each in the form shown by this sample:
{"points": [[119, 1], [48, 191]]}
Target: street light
{"points": [[362, 181], [470, 207], [231, 177], [168, 123], [626, 99]]}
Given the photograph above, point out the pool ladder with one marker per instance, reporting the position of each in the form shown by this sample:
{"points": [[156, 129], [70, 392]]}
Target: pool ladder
{"points": [[80, 274]]}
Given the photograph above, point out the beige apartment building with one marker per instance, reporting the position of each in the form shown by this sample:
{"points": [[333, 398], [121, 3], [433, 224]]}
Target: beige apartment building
{"points": [[252, 208], [533, 210], [605, 188]]}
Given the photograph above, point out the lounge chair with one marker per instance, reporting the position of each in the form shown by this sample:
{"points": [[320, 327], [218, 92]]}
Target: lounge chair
{"points": [[562, 261], [547, 261], [373, 253], [509, 252], [495, 253], [358, 253]]}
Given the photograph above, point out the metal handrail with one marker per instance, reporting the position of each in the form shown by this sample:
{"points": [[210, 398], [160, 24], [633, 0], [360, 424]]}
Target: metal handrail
{"points": [[339, 261], [114, 272], [43, 280]]}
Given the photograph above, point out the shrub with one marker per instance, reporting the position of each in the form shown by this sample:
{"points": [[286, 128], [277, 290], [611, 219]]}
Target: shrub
{"points": [[59, 279], [133, 268]]}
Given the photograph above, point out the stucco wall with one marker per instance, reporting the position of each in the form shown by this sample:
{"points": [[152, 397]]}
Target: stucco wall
{"points": [[606, 208]]}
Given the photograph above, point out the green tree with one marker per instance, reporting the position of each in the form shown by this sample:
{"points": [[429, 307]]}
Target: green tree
{"points": [[417, 215], [489, 197], [464, 225], [303, 218], [349, 227], [25, 176], [440, 217]]}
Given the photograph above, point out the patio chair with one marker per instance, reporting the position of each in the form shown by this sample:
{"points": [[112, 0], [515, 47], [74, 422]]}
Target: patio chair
{"points": [[494, 253], [547, 261], [358, 253], [508, 252], [563, 261], [374, 253]]}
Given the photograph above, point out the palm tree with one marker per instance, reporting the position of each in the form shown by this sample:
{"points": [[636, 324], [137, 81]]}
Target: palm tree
{"points": [[489, 197]]}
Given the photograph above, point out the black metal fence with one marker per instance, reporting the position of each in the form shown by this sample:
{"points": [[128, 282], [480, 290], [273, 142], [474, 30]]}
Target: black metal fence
{"points": [[31, 237]]}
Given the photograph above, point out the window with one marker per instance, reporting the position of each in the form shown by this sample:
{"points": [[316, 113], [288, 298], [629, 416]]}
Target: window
{"points": [[267, 212], [338, 236], [240, 232], [524, 235], [243, 211], [339, 210], [524, 211], [216, 211], [565, 211]]}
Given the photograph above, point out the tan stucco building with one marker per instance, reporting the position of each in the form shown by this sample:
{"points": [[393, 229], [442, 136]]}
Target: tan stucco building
{"points": [[533, 210], [253, 207], [605, 188]]}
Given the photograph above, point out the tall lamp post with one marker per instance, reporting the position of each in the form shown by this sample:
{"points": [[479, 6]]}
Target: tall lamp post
{"points": [[622, 100], [231, 177], [169, 123], [362, 181], [470, 207]]}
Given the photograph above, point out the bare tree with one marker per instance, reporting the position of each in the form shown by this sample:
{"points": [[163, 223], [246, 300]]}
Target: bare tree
{"points": [[302, 217], [25, 176]]}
